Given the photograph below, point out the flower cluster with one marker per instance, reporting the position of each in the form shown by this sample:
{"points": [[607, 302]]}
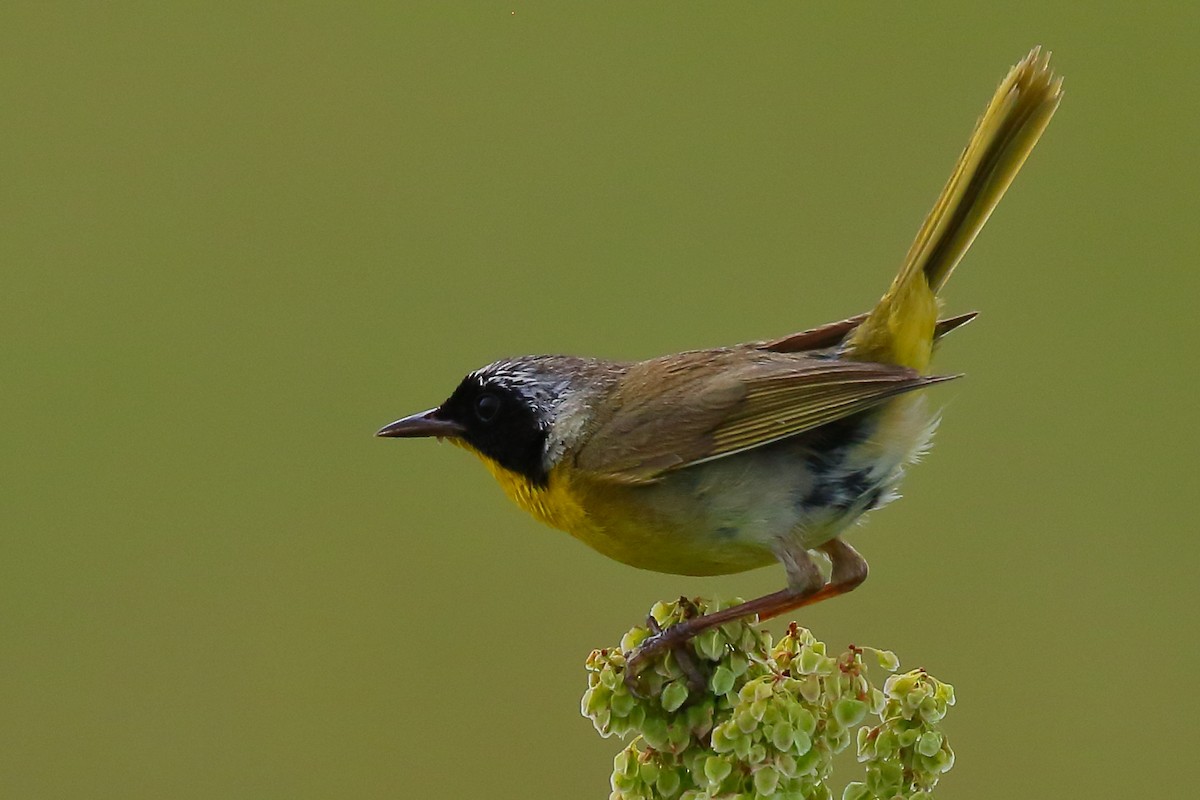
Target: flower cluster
{"points": [[768, 719], [905, 752]]}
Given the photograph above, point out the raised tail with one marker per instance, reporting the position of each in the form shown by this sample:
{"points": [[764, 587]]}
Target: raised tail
{"points": [[900, 329]]}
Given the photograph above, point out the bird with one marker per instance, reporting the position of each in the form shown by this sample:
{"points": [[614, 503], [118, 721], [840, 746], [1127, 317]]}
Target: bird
{"points": [[717, 461]]}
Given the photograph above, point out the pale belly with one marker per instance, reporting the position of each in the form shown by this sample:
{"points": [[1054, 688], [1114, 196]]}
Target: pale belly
{"points": [[739, 512]]}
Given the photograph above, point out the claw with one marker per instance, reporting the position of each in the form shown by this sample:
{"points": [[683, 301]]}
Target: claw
{"points": [[676, 640], [691, 668]]}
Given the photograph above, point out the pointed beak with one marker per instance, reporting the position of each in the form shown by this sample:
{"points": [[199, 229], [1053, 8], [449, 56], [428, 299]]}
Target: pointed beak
{"points": [[426, 423]]}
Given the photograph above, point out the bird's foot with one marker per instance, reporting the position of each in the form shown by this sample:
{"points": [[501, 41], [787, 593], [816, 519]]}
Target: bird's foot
{"points": [[675, 639]]}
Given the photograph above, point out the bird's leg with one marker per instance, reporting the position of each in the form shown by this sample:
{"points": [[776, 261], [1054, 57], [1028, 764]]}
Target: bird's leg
{"points": [[849, 569]]}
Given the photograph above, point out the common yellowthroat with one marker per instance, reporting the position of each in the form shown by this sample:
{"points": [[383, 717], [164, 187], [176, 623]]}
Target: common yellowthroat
{"points": [[716, 461]]}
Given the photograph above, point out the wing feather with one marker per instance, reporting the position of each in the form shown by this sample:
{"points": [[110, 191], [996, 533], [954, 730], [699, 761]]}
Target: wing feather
{"points": [[832, 334], [681, 410]]}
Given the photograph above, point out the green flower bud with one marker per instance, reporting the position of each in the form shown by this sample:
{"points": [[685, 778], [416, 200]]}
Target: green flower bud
{"points": [[931, 711], [668, 783], [678, 736], [662, 613], [810, 662], [654, 731], [897, 686], [946, 757], [593, 699], [743, 747], [804, 720], [674, 695], [623, 787], [940, 761], [781, 736], [637, 717], [887, 659], [621, 762], [617, 727], [907, 737], [652, 683], [631, 640], [699, 717], [929, 744], [669, 666], [847, 711], [734, 632], [810, 688], [807, 764], [886, 744], [766, 780], [865, 743], [710, 644], [622, 702], [724, 737], [840, 742], [693, 761], [885, 778], [919, 695], [745, 721], [856, 790], [716, 769], [722, 680]]}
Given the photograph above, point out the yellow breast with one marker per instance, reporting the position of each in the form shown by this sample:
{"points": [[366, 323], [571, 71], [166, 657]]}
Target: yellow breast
{"points": [[554, 504], [623, 523]]}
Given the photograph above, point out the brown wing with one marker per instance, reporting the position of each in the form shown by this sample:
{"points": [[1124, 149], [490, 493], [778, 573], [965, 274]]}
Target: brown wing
{"points": [[685, 409], [832, 334]]}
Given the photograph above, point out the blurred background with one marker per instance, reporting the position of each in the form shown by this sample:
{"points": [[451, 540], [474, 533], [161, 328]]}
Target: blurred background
{"points": [[238, 238]]}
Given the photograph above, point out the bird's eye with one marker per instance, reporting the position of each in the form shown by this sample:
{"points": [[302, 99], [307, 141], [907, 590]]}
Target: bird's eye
{"points": [[487, 407]]}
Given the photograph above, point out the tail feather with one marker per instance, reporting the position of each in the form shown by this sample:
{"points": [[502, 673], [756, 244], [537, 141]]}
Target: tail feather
{"points": [[901, 327], [832, 334], [1003, 138]]}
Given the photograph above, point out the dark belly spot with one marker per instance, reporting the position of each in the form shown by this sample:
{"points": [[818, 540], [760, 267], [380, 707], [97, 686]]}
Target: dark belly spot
{"points": [[841, 490], [728, 532], [820, 460], [829, 444], [843, 433], [853, 486], [820, 496]]}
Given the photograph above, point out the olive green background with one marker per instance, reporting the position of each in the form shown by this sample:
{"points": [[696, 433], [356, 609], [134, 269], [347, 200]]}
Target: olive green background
{"points": [[238, 238]]}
